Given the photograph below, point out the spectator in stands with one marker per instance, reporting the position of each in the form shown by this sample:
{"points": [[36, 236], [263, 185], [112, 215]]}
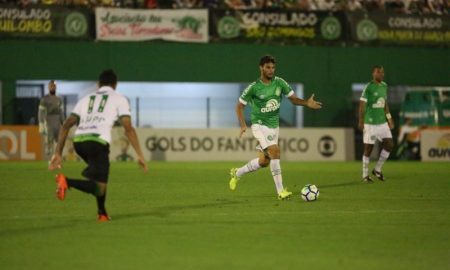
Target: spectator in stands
{"points": [[435, 6], [439, 7], [180, 4], [350, 5], [164, 3], [324, 5], [414, 6], [274, 3], [397, 6], [374, 5], [290, 4], [27, 2], [304, 5], [258, 4], [211, 3], [235, 4], [151, 4]]}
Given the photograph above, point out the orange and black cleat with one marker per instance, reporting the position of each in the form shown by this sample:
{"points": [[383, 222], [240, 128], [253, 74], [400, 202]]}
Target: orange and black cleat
{"points": [[103, 218], [61, 186]]}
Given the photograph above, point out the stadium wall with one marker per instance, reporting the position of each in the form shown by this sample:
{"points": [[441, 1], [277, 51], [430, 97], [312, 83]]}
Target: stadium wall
{"points": [[326, 71]]}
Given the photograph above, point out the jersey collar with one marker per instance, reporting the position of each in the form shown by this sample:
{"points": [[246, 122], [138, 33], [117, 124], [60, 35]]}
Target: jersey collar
{"points": [[105, 89], [260, 81], [377, 83]]}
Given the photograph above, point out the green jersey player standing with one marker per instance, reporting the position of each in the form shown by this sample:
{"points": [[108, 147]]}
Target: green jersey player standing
{"points": [[375, 121], [264, 95]]}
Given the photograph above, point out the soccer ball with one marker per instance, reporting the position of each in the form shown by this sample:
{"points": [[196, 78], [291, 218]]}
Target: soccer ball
{"points": [[309, 193]]}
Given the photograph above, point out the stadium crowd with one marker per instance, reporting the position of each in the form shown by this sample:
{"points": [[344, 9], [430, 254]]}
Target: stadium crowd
{"points": [[425, 7]]}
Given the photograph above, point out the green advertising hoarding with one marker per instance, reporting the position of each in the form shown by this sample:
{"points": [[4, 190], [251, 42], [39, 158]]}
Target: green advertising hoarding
{"points": [[386, 28], [46, 22], [285, 26]]}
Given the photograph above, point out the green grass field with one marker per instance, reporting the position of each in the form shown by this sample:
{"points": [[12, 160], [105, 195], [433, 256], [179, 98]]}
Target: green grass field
{"points": [[182, 216]]}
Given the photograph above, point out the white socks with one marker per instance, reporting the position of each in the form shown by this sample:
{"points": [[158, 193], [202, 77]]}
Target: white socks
{"points": [[384, 155], [365, 161], [275, 168], [251, 166]]}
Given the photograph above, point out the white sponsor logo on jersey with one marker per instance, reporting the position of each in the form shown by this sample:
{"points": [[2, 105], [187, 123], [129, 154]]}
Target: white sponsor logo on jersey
{"points": [[271, 105], [380, 103]]}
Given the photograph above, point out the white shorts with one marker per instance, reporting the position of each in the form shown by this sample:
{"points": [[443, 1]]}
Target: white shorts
{"points": [[372, 133], [266, 136]]}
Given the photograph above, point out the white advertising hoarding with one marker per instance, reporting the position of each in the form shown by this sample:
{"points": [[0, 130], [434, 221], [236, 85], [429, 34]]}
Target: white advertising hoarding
{"points": [[184, 25], [312, 144], [435, 145]]}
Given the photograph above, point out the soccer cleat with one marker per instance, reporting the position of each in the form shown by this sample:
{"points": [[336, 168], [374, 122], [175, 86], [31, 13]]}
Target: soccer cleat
{"points": [[103, 218], [234, 179], [367, 179], [61, 186], [284, 194], [379, 175]]}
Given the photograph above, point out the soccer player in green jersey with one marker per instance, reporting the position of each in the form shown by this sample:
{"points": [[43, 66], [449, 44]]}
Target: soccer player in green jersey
{"points": [[375, 121], [264, 95]]}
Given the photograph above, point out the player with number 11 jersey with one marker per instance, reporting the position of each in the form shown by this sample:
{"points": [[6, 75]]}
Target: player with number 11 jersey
{"points": [[95, 115]]}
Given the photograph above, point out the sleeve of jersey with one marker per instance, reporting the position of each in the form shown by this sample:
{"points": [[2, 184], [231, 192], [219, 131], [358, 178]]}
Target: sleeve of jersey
{"points": [[364, 94], [286, 88], [246, 94], [124, 107]]}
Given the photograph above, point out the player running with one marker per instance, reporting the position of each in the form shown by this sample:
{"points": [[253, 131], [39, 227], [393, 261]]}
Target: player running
{"points": [[95, 115], [373, 113], [264, 95]]}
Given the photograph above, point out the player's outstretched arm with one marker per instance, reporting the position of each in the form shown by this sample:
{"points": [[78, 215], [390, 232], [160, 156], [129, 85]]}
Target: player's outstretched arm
{"points": [[240, 115], [130, 132], [310, 102], [55, 162]]}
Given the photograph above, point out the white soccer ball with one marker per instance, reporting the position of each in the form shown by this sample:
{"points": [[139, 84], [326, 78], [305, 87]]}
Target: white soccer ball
{"points": [[309, 193]]}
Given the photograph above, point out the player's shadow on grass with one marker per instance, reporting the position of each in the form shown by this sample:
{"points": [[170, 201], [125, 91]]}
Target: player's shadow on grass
{"points": [[353, 183], [32, 230], [165, 211]]}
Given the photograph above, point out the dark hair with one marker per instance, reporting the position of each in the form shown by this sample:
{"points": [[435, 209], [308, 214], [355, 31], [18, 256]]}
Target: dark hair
{"points": [[107, 78], [377, 67], [266, 59]]}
